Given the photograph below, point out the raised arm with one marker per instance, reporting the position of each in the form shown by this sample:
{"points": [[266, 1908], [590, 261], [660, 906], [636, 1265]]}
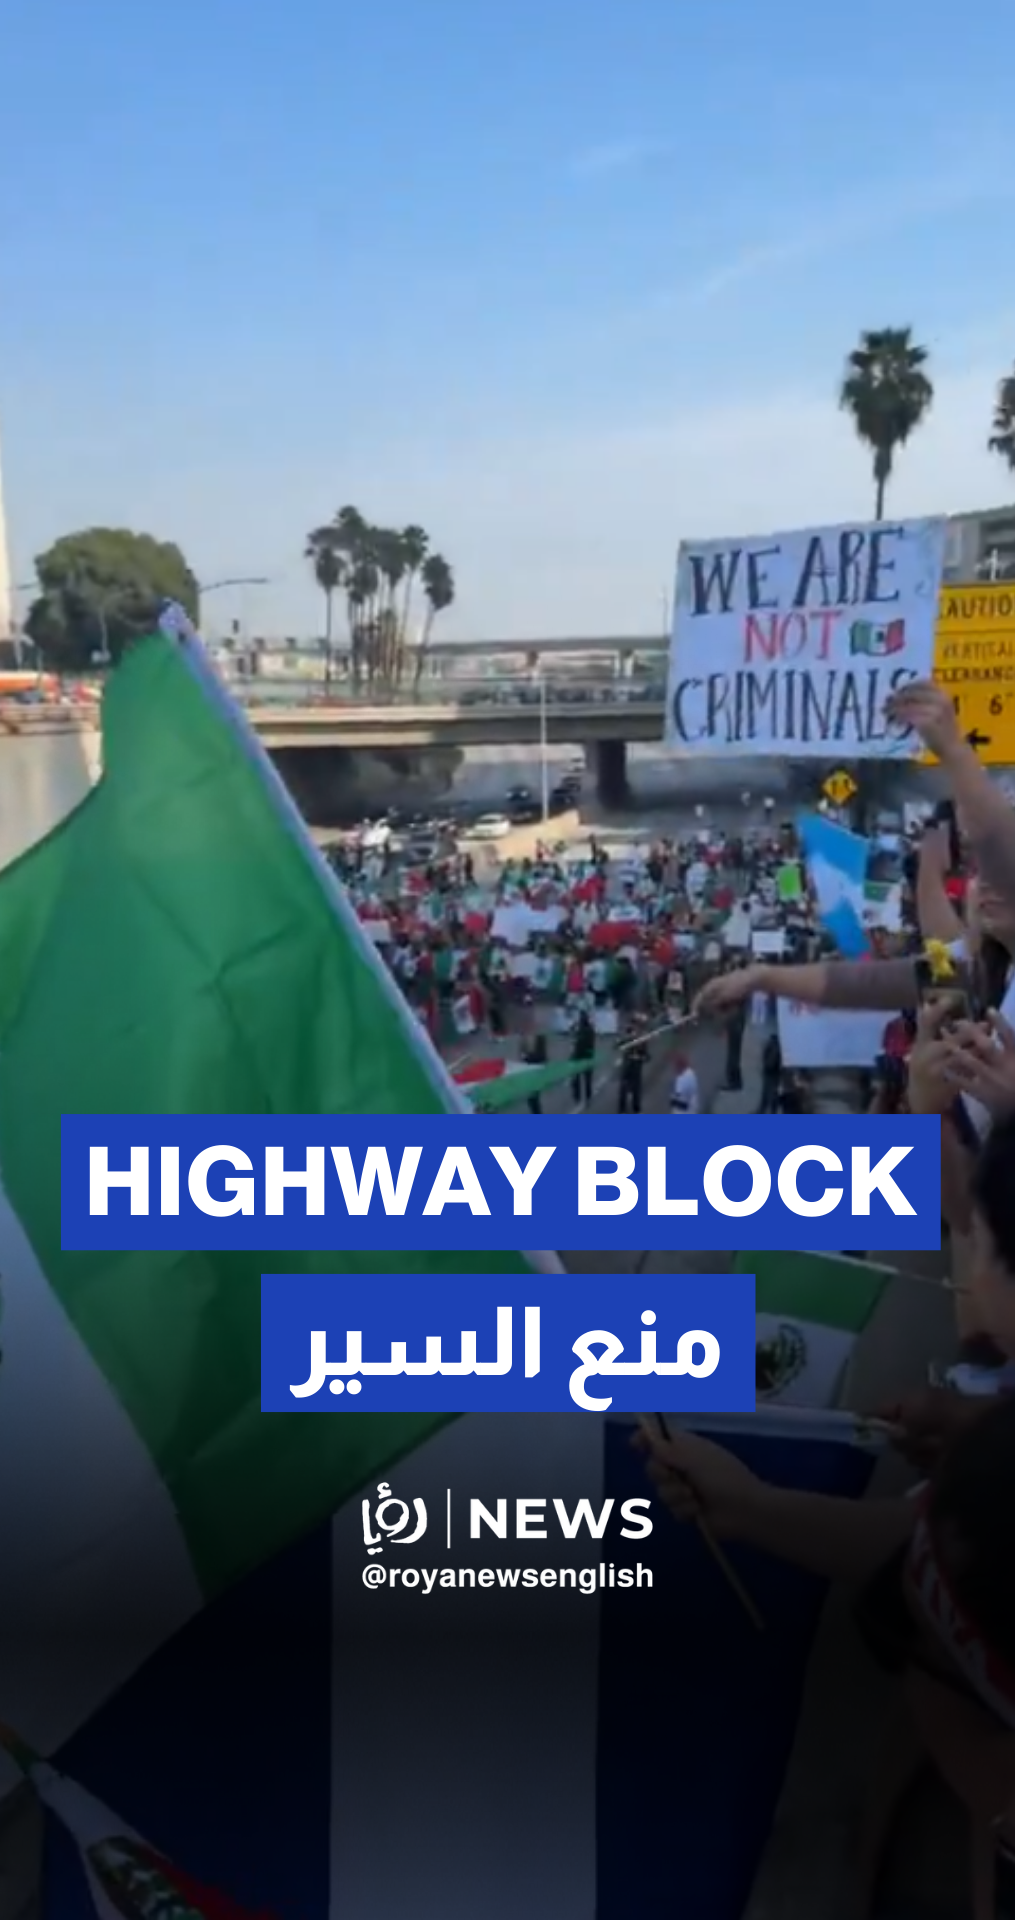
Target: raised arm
{"points": [[987, 817], [937, 917], [865, 985]]}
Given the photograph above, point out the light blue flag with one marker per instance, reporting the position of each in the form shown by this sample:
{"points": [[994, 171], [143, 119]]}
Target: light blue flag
{"points": [[836, 863]]}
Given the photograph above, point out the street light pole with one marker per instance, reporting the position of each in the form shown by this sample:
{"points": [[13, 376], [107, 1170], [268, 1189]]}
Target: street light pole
{"points": [[217, 586], [544, 763]]}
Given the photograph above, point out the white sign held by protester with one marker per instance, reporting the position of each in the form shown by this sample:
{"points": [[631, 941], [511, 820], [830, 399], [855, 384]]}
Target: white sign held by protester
{"points": [[768, 941], [814, 1037], [792, 643]]}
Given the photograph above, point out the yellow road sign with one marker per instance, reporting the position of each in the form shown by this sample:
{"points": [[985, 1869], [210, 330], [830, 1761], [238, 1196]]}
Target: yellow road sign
{"points": [[974, 658], [839, 788]]}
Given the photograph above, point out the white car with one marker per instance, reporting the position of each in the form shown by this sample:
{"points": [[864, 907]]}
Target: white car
{"points": [[491, 826]]}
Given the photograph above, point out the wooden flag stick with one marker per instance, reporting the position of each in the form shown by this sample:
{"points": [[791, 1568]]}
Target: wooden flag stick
{"points": [[721, 1558]]}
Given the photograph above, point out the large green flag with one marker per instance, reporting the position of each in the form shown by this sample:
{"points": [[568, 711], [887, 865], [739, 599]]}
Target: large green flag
{"points": [[175, 946]]}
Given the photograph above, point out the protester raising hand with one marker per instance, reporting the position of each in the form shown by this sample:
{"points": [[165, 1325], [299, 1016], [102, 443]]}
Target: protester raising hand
{"points": [[930, 712], [987, 818], [980, 1061]]}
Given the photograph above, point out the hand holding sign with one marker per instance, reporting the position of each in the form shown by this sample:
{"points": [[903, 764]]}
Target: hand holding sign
{"points": [[928, 711]]}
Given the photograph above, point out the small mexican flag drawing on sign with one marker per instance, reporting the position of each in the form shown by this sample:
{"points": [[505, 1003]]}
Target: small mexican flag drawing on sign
{"points": [[866, 638]]}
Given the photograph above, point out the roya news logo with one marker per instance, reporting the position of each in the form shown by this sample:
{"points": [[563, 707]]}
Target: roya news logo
{"points": [[388, 1521], [393, 1529]]}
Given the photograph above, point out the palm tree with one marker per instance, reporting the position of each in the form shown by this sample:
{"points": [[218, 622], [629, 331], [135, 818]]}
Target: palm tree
{"points": [[1002, 439], [329, 572], [415, 547], [888, 394], [378, 567], [389, 557], [362, 588], [439, 587]]}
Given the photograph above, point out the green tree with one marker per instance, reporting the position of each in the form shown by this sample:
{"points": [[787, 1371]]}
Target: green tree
{"points": [[102, 588], [1002, 438], [888, 394], [439, 587], [329, 573]]}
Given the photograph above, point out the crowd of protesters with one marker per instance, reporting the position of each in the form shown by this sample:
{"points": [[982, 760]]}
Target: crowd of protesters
{"points": [[575, 947], [568, 949], [934, 1570]]}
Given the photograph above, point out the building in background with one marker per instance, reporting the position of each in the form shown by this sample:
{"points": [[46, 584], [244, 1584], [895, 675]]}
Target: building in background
{"points": [[6, 591], [981, 546]]}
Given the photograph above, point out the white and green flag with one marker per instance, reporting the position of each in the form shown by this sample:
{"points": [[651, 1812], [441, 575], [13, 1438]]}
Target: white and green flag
{"points": [[175, 946]]}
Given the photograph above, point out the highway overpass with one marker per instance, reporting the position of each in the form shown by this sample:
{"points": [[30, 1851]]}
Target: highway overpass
{"points": [[455, 724], [602, 728]]}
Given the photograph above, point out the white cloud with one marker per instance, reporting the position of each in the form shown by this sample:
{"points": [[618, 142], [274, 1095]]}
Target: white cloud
{"points": [[851, 223], [614, 156]]}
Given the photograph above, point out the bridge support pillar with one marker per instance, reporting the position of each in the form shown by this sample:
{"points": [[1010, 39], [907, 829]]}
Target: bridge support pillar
{"points": [[609, 770]]}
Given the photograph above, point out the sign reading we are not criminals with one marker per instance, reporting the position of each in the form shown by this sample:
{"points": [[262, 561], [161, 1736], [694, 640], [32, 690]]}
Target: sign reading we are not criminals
{"points": [[792, 643]]}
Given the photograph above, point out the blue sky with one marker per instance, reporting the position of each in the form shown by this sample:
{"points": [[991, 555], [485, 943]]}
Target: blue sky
{"points": [[565, 280]]}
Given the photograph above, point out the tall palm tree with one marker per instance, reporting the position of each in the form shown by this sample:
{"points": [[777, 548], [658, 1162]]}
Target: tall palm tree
{"points": [[389, 557], [439, 587], [888, 394], [1002, 439], [415, 547], [329, 572], [362, 590]]}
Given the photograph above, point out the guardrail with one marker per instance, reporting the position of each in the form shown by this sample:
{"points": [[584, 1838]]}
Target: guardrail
{"points": [[51, 716], [265, 692]]}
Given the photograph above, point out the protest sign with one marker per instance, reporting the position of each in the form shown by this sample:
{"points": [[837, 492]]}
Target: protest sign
{"points": [[768, 942], [816, 1037], [792, 643]]}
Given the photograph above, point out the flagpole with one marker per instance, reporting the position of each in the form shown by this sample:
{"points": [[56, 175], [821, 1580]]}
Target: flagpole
{"points": [[176, 627]]}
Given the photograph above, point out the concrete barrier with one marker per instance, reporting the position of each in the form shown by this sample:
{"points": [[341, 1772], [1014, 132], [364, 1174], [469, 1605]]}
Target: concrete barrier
{"points": [[521, 842]]}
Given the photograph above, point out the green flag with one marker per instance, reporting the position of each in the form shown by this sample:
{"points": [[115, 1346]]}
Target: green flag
{"points": [[175, 946]]}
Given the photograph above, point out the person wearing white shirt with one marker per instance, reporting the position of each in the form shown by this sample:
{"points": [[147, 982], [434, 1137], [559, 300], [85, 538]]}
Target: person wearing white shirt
{"points": [[685, 1097]]}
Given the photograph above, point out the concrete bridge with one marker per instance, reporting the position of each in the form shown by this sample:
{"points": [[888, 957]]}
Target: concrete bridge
{"points": [[602, 727]]}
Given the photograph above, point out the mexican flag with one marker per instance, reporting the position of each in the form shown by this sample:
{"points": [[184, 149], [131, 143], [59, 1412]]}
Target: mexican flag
{"points": [[176, 945], [126, 1878], [811, 1310], [482, 1073], [494, 1084]]}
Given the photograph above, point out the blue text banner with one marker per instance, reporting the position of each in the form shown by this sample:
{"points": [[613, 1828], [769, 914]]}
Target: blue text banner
{"points": [[449, 1184]]}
